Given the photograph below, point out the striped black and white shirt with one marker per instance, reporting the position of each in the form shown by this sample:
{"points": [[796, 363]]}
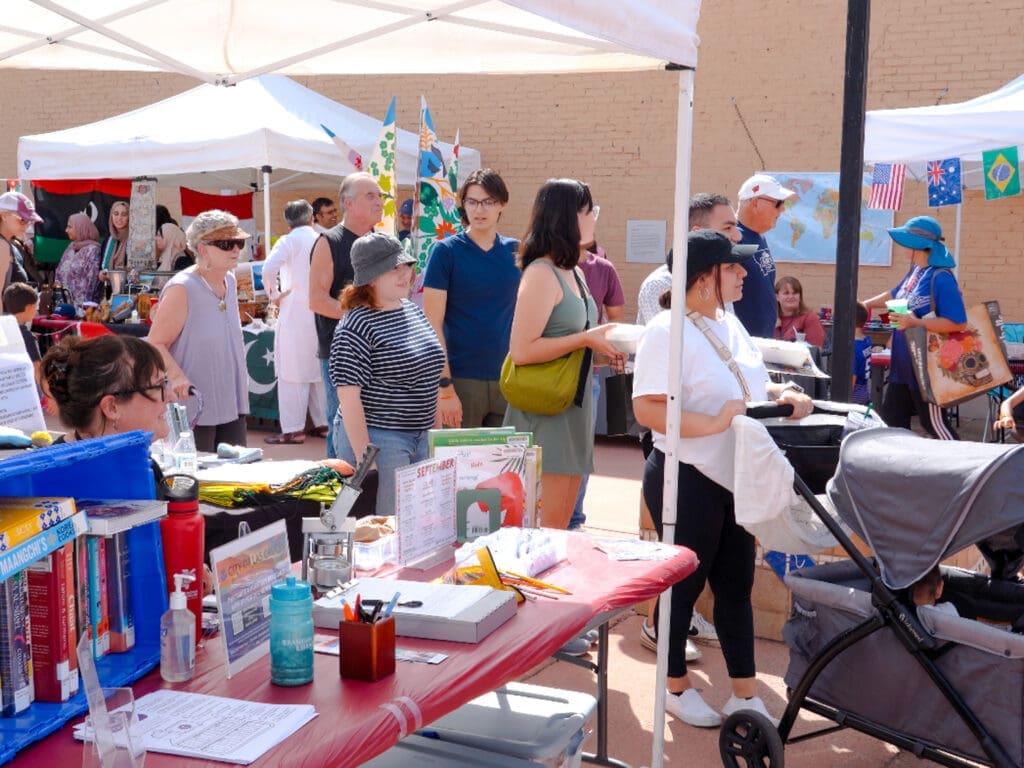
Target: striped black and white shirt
{"points": [[394, 356]]}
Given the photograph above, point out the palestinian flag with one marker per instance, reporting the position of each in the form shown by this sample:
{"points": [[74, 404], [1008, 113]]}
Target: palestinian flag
{"points": [[57, 200], [193, 203]]}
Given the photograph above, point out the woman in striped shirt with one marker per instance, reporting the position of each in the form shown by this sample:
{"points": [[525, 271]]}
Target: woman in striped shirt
{"points": [[385, 362]]}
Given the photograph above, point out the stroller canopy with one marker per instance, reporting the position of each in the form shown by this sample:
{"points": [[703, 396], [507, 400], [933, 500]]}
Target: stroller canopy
{"points": [[916, 501]]}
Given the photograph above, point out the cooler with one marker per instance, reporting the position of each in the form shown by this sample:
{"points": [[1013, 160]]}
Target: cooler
{"points": [[529, 722], [421, 752]]}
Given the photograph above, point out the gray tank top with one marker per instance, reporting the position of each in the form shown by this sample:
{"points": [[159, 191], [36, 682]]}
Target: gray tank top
{"points": [[209, 349]]}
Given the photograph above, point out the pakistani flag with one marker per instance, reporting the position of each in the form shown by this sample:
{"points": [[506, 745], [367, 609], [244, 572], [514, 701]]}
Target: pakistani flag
{"points": [[57, 200], [382, 167], [438, 207], [1002, 173]]}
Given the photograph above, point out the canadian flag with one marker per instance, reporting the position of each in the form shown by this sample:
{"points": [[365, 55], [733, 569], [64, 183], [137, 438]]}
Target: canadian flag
{"points": [[193, 203]]}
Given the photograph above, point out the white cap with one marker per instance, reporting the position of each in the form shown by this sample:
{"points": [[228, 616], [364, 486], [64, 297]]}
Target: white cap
{"points": [[763, 185]]}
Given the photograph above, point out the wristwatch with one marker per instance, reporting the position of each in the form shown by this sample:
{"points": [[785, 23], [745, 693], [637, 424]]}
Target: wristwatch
{"points": [[444, 381]]}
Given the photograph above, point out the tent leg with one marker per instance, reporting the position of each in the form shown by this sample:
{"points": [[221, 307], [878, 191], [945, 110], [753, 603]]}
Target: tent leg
{"points": [[680, 226], [956, 245], [266, 170]]}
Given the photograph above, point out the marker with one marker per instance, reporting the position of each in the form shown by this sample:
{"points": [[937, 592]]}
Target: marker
{"points": [[349, 613], [391, 605]]}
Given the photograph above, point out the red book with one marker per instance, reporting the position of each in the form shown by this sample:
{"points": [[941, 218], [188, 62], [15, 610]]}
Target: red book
{"points": [[48, 589]]}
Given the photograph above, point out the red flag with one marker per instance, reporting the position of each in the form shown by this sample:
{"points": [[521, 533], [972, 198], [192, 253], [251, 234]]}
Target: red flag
{"points": [[887, 186]]}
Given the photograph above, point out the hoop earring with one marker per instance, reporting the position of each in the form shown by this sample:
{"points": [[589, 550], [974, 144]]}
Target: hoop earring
{"points": [[704, 293]]}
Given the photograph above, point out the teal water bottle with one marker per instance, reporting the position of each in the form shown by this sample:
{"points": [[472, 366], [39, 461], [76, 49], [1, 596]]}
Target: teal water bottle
{"points": [[291, 633]]}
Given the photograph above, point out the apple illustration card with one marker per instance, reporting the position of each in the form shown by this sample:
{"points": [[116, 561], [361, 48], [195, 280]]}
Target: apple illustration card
{"points": [[477, 512]]}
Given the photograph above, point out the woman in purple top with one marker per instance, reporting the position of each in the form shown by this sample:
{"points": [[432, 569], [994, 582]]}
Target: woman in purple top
{"points": [[199, 334], [79, 267]]}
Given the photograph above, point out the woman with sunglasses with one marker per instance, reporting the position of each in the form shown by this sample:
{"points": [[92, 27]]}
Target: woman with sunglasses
{"points": [[554, 315], [198, 332], [16, 214], [107, 385]]}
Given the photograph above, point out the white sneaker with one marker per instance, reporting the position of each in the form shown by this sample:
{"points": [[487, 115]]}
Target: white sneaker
{"points": [[691, 708], [735, 704], [649, 640], [702, 630]]}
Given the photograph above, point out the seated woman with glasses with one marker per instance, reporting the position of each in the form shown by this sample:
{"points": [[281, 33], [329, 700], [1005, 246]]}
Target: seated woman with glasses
{"points": [[198, 332], [107, 385]]}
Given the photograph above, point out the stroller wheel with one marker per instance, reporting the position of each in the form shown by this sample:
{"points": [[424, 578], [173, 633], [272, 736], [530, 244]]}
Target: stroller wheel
{"points": [[750, 739]]}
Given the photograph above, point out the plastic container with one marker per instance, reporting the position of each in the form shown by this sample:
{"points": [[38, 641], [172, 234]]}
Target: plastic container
{"points": [[291, 633], [529, 722], [420, 752], [183, 531], [82, 469], [178, 636], [371, 555]]}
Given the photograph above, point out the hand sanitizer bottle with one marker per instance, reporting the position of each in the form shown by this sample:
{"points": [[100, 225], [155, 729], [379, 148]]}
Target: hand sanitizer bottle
{"points": [[178, 636]]}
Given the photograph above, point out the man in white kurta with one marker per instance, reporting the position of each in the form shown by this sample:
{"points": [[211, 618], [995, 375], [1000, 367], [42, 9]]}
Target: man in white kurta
{"points": [[300, 386]]}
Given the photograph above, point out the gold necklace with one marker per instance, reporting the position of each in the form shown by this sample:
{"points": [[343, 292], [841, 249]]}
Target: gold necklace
{"points": [[221, 302]]}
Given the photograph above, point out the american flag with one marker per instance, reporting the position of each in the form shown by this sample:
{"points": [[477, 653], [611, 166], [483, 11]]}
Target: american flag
{"points": [[887, 186]]}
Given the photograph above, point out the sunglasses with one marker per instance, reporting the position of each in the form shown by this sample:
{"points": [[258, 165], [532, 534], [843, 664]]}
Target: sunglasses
{"points": [[227, 245], [163, 386], [776, 203]]}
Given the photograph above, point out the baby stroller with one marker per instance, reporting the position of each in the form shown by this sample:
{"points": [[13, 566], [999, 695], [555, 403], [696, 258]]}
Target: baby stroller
{"points": [[947, 688]]}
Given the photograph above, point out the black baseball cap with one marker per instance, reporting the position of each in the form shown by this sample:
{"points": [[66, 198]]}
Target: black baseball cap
{"points": [[707, 247]]}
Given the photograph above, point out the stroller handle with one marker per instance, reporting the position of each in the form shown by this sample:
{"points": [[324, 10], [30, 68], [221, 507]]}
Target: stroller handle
{"points": [[769, 410]]}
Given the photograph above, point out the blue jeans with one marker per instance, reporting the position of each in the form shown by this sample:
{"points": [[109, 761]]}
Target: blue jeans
{"points": [[332, 406], [578, 519], [398, 448]]}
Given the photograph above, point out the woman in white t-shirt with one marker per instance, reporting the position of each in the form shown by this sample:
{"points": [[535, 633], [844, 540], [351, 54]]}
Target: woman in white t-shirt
{"points": [[712, 394]]}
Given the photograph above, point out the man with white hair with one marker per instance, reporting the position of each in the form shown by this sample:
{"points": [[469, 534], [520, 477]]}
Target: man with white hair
{"points": [[762, 199], [300, 386], [330, 270]]}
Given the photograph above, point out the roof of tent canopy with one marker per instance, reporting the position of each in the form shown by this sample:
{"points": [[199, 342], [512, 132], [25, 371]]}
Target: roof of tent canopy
{"points": [[231, 40]]}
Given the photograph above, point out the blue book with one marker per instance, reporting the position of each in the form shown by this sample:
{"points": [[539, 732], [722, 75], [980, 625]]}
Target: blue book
{"points": [[22, 555]]}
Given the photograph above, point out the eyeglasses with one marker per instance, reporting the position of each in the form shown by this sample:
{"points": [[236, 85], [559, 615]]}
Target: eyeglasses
{"points": [[226, 245], [487, 203], [163, 385], [773, 201]]}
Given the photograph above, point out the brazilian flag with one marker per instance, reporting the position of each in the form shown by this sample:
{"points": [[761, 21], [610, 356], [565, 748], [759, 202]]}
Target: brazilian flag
{"points": [[1002, 174], [57, 200]]}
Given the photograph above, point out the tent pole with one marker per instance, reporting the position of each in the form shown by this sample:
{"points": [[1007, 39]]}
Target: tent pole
{"points": [[266, 170], [956, 244], [680, 226]]}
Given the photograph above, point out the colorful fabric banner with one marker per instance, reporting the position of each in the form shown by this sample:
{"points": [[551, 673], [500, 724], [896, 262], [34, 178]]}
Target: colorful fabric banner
{"points": [[193, 203], [438, 207], [354, 158], [944, 186], [887, 186], [1002, 173], [57, 200], [453, 167], [382, 166]]}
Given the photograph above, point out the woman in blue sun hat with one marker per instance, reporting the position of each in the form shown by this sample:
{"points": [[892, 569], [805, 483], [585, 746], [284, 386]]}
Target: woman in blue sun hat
{"points": [[934, 302]]}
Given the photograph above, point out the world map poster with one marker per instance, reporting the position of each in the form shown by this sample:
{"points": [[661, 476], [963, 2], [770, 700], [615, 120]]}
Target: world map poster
{"points": [[806, 230]]}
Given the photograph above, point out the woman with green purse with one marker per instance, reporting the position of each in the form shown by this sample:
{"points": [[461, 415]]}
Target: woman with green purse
{"points": [[555, 316]]}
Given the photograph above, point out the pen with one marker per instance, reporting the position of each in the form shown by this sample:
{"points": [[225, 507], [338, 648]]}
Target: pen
{"points": [[349, 613], [359, 607], [391, 604]]}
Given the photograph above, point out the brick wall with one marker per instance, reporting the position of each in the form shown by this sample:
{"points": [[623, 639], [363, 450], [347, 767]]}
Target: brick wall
{"points": [[779, 66]]}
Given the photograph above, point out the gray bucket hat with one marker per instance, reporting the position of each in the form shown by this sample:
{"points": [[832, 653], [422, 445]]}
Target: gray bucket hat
{"points": [[375, 253]]}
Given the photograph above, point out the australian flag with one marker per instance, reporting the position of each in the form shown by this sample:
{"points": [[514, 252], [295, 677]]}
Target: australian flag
{"points": [[944, 182]]}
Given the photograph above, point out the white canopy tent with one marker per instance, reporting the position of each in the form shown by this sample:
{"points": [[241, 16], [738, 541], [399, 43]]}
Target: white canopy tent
{"points": [[917, 135], [231, 40], [268, 135]]}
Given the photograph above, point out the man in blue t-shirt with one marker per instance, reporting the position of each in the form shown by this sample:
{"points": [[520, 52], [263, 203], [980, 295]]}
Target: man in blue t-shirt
{"points": [[762, 199]]}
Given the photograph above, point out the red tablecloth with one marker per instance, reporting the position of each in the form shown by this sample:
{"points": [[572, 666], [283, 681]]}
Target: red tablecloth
{"points": [[360, 720]]}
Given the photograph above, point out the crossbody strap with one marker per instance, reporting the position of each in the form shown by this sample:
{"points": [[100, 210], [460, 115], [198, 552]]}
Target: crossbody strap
{"points": [[931, 288], [723, 352]]}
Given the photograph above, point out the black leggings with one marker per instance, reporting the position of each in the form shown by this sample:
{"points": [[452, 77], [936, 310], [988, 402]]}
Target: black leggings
{"points": [[901, 401], [706, 523]]}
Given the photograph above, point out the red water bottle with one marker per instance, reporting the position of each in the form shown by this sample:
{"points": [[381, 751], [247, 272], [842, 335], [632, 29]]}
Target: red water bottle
{"points": [[183, 532]]}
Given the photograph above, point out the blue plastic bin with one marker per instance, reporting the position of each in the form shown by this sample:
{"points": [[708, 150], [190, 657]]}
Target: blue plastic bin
{"points": [[109, 467]]}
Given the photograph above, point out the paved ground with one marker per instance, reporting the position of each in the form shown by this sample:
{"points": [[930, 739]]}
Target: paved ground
{"points": [[612, 506]]}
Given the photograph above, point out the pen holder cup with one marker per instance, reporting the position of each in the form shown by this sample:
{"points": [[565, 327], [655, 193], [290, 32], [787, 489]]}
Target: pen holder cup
{"points": [[367, 650]]}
